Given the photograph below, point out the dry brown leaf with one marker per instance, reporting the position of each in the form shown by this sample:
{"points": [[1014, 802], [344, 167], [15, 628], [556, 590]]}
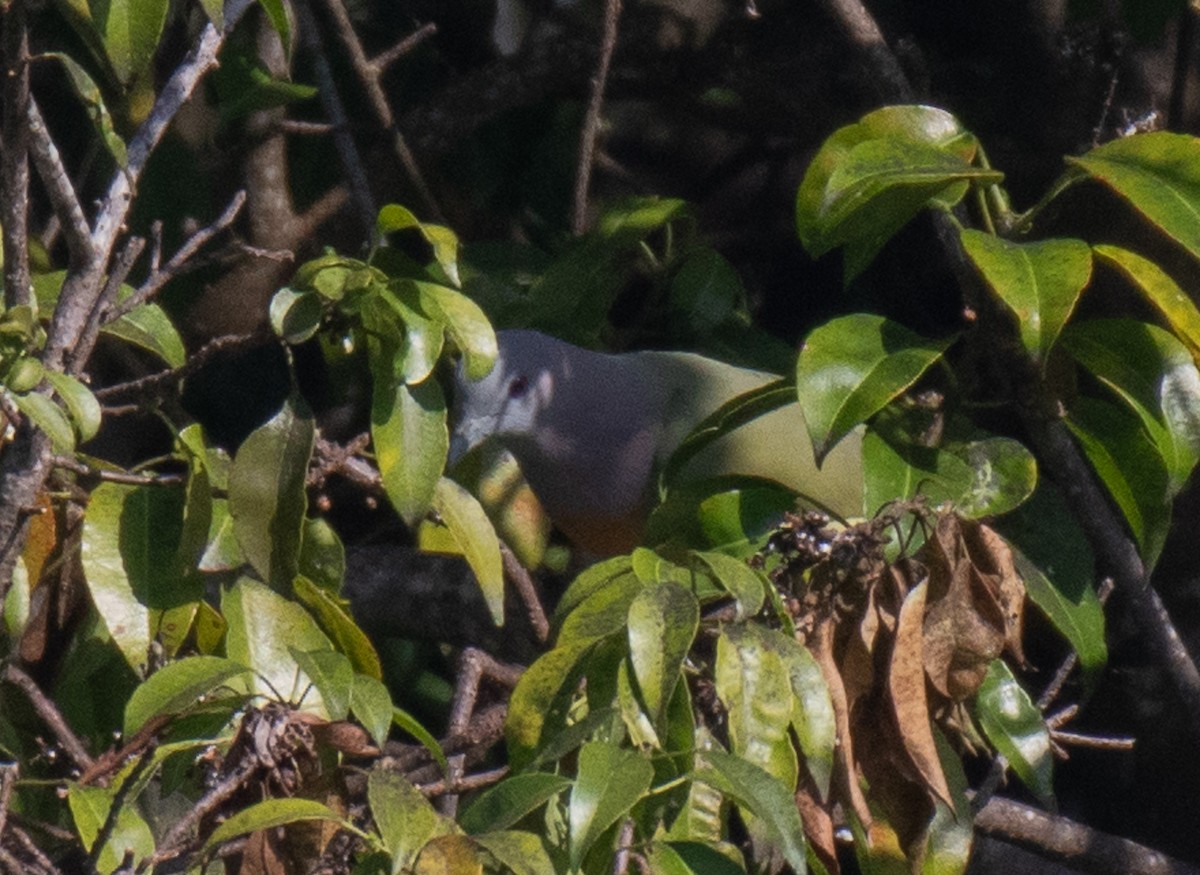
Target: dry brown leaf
{"points": [[964, 624], [818, 826], [262, 854], [906, 684], [992, 555]]}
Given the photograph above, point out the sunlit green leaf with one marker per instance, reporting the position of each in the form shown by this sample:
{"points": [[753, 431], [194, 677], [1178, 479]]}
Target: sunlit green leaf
{"points": [[851, 367], [405, 819], [49, 417], [1039, 282], [271, 813], [176, 687], [1159, 173], [1015, 726], [476, 538], [609, 782], [90, 807], [505, 804], [93, 101], [332, 675], [1159, 289], [408, 429], [663, 620]]}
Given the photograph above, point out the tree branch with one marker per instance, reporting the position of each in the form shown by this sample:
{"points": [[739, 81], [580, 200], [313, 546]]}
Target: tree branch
{"points": [[591, 121], [14, 162]]}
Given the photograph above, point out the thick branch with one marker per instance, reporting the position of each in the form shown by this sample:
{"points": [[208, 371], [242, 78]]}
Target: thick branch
{"points": [[14, 162]]}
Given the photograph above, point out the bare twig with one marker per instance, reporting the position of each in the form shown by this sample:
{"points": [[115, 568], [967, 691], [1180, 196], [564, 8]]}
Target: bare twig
{"points": [[159, 277], [117, 275], [8, 776], [368, 75], [1085, 849], [31, 850], [464, 784], [385, 59], [624, 846], [50, 715], [124, 477], [523, 582], [147, 386], [352, 165], [14, 159], [591, 120], [59, 188]]}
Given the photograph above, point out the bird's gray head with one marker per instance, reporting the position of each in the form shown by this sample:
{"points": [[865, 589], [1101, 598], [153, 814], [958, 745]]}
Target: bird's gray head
{"points": [[509, 400]]}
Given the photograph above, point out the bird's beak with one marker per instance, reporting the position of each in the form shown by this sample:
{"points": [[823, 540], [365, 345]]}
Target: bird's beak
{"points": [[468, 434]]}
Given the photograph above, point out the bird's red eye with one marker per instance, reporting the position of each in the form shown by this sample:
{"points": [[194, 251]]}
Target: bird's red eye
{"points": [[518, 387]]}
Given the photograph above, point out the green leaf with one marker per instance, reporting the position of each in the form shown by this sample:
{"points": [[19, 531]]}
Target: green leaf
{"points": [[524, 853], [706, 292], [149, 327], [508, 802], [1015, 727], [405, 819], [443, 241], [665, 858], [1159, 174], [296, 315], [263, 629], [763, 796], [747, 585], [93, 101], [407, 723], [812, 709], [130, 30], [334, 617], [1155, 375], [663, 620], [473, 533], [408, 428], [1159, 289], [1130, 467], [332, 675], [754, 685], [271, 813], [90, 807], [49, 417], [372, 706], [536, 699], [603, 613], [82, 406], [267, 497], [276, 12], [851, 367], [591, 580], [397, 313], [1039, 282], [609, 783], [322, 556], [177, 687], [1054, 559], [982, 478], [124, 615], [467, 326]]}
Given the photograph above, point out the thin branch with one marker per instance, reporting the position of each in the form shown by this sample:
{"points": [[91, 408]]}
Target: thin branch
{"points": [[352, 165], [117, 275], [14, 160], [50, 715], [1057, 838], [386, 58], [160, 277], [83, 286], [59, 188], [1185, 47], [591, 120], [464, 784], [155, 383], [105, 475], [9, 773], [860, 27], [368, 75], [523, 582]]}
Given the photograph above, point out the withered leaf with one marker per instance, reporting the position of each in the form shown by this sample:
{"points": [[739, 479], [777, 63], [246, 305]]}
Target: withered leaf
{"points": [[906, 683], [992, 555], [818, 826], [964, 624]]}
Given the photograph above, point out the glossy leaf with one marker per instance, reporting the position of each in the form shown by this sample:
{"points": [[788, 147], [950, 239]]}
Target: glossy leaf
{"points": [[467, 326], [263, 628], [408, 429], [535, 698], [1015, 726], [1159, 174], [402, 719], [1157, 287], [1054, 559], [508, 802], [1130, 468], [1155, 375], [603, 613], [176, 687], [271, 813], [763, 796], [423, 336], [851, 367], [812, 709], [473, 532], [443, 242], [610, 781], [663, 620], [371, 705], [130, 30], [591, 580], [82, 406], [296, 315], [1039, 282], [267, 497], [987, 477]]}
